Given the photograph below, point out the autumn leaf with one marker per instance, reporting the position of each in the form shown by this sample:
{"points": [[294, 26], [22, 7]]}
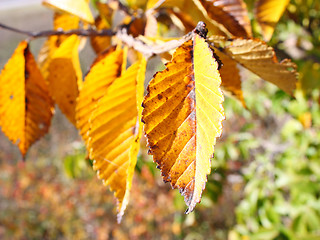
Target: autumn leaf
{"points": [[61, 21], [65, 76], [268, 13], [79, 8], [100, 43], [102, 73], [259, 58], [183, 114], [25, 106], [230, 76], [233, 14], [115, 131]]}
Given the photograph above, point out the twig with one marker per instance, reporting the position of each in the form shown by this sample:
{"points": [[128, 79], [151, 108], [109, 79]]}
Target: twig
{"points": [[144, 48], [79, 32]]}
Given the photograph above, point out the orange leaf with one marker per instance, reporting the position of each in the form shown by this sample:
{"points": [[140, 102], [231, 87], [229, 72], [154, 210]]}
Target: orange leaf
{"points": [[79, 8], [268, 13], [115, 131], [259, 58], [230, 76], [233, 14], [65, 76], [102, 73], [25, 106], [183, 114], [100, 43]]}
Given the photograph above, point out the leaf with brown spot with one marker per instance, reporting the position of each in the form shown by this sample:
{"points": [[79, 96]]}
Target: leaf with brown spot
{"points": [[233, 14], [102, 73], [65, 76], [25, 106], [268, 13], [183, 114], [79, 8], [99, 44], [115, 131], [259, 58]]}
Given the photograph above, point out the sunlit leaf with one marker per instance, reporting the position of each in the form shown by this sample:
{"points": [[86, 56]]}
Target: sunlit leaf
{"points": [[25, 106], [65, 76], [102, 73], [268, 13], [79, 8], [115, 131], [233, 14], [259, 58], [230, 76], [183, 114], [61, 21]]}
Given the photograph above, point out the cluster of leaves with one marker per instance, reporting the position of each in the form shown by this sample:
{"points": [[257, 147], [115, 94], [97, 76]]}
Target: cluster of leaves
{"points": [[182, 111]]}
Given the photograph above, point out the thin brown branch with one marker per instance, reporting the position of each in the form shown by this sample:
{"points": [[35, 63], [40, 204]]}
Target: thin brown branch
{"points": [[79, 32], [146, 49]]}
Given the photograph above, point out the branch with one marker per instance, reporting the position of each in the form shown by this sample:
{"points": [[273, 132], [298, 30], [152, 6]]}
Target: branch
{"points": [[144, 48], [79, 32]]}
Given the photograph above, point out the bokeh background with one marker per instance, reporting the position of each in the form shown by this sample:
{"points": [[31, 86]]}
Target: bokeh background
{"points": [[265, 180]]}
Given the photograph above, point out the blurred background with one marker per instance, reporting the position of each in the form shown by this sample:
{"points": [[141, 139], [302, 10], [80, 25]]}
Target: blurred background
{"points": [[265, 180]]}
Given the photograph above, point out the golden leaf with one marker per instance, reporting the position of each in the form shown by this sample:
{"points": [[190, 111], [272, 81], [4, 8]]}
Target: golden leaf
{"points": [[79, 8], [102, 73], [259, 58], [233, 14], [25, 106], [115, 131], [65, 76], [60, 21], [183, 114], [268, 13]]}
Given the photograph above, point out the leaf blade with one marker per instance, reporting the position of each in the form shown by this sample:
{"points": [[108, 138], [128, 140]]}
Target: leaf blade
{"points": [[25, 106], [175, 113], [115, 133]]}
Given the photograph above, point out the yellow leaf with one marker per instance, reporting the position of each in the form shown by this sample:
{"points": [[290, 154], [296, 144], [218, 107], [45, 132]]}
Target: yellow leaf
{"points": [[60, 21], [115, 131], [100, 43], [25, 106], [268, 13], [79, 8], [230, 76], [183, 114], [259, 58], [102, 73], [65, 76], [232, 14]]}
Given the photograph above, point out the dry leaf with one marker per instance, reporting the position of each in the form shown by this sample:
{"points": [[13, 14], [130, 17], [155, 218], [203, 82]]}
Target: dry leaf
{"points": [[65, 76], [183, 114], [259, 58], [233, 14], [99, 44], [230, 76], [25, 106]]}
